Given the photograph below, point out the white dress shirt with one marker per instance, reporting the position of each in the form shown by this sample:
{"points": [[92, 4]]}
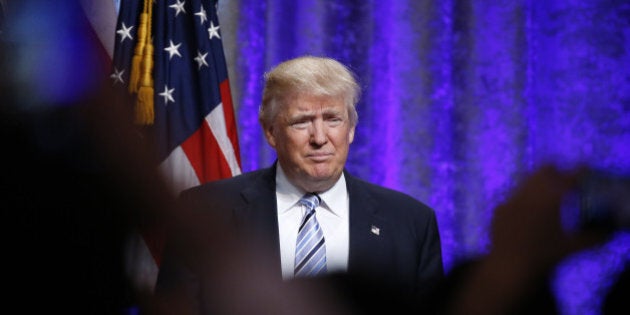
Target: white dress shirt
{"points": [[332, 215]]}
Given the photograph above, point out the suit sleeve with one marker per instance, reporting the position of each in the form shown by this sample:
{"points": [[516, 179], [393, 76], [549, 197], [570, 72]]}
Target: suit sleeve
{"points": [[430, 269]]}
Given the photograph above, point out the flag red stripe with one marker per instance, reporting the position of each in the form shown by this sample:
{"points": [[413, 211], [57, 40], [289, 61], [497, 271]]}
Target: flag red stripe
{"points": [[205, 155], [230, 119], [154, 238]]}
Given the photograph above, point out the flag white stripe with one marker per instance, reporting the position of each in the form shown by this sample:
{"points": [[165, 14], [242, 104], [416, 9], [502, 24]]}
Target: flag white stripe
{"points": [[141, 267], [102, 16], [216, 123], [179, 172]]}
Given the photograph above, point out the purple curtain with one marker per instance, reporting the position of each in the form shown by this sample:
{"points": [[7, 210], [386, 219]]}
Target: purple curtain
{"points": [[461, 99]]}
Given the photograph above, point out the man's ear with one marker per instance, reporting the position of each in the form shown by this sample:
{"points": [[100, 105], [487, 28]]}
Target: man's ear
{"points": [[269, 135], [351, 135]]}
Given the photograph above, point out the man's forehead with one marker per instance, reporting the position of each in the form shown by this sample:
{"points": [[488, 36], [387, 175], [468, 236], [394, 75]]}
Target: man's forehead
{"points": [[315, 103]]}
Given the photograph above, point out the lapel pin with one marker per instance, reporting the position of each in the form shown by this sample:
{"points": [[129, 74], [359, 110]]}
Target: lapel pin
{"points": [[375, 230]]}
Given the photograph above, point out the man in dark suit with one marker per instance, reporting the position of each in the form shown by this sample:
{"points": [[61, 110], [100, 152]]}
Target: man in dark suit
{"points": [[370, 232]]}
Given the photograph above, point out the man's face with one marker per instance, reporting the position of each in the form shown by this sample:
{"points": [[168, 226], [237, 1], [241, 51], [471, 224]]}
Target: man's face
{"points": [[311, 136]]}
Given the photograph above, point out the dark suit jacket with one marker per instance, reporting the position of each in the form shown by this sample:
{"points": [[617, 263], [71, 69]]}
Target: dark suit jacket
{"points": [[405, 254]]}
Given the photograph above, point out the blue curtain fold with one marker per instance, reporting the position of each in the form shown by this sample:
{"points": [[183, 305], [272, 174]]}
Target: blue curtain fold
{"points": [[461, 100]]}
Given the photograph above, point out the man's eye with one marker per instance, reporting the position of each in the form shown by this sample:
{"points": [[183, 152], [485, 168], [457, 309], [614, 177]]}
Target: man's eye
{"points": [[299, 124], [334, 120]]}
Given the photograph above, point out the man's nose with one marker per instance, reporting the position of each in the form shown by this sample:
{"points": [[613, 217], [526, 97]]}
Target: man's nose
{"points": [[318, 133]]}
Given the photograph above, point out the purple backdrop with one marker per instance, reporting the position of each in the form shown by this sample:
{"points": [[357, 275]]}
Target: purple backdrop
{"points": [[461, 99]]}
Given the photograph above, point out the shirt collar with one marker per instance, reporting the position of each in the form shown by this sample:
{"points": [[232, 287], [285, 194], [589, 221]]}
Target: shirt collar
{"points": [[333, 200]]}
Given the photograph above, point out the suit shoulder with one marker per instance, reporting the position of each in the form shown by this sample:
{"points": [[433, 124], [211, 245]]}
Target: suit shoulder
{"points": [[388, 196], [227, 186]]}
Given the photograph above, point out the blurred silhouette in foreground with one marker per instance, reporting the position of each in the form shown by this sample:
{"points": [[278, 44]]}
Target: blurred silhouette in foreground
{"points": [[528, 239], [616, 300], [79, 179]]}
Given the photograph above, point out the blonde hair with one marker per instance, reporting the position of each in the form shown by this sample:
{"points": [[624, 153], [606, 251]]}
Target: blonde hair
{"points": [[308, 75]]}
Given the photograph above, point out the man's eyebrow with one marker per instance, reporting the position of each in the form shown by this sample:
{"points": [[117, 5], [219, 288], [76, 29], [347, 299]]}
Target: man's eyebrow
{"points": [[332, 111], [325, 112], [299, 116]]}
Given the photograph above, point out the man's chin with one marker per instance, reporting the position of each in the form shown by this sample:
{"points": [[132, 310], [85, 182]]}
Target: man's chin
{"points": [[319, 173], [323, 180]]}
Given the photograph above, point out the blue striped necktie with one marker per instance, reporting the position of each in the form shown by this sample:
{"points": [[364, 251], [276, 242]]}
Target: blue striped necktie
{"points": [[310, 249]]}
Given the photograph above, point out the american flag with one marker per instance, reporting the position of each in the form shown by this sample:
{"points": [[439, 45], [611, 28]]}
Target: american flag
{"points": [[194, 121]]}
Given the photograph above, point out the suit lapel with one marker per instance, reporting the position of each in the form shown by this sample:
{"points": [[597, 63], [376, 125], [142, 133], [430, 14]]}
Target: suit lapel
{"points": [[366, 228], [258, 213]]}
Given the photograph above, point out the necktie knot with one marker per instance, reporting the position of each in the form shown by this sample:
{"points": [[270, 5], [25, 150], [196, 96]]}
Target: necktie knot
{"points": [[311, 201]]}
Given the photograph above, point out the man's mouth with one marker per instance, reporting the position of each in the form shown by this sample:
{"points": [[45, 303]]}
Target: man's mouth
{"points": [[319, 157]]}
